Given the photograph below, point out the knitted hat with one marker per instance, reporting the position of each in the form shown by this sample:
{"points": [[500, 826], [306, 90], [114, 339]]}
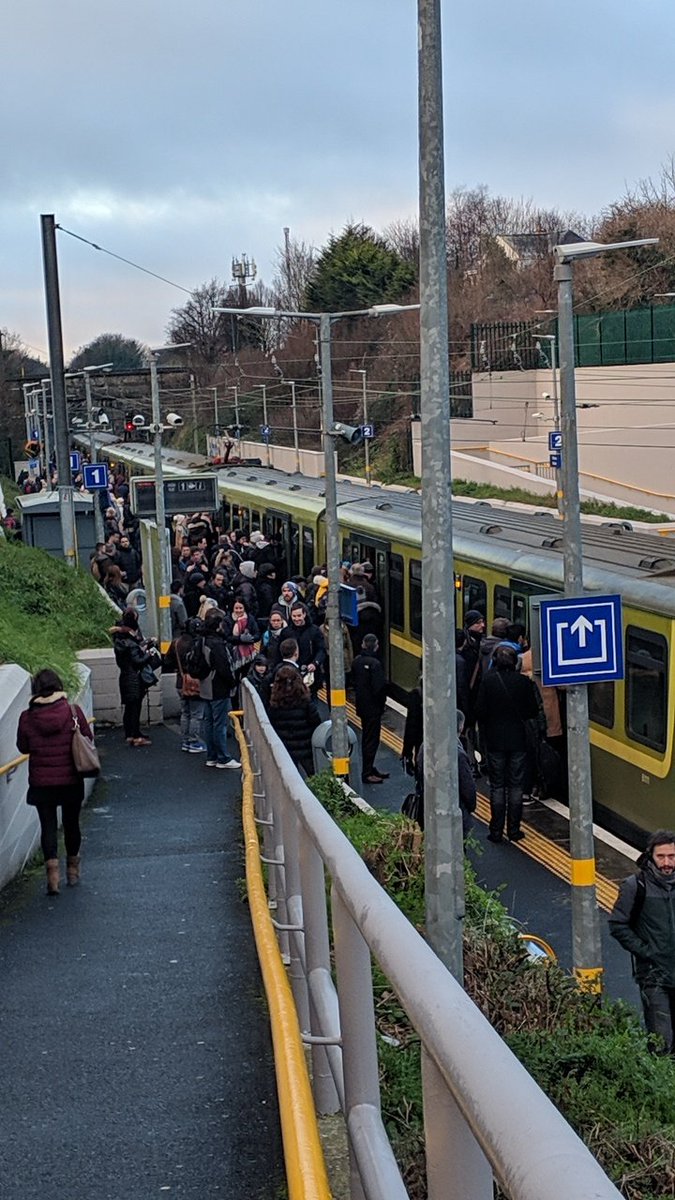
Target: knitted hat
{"points": [[472, 617], [247, 569]]}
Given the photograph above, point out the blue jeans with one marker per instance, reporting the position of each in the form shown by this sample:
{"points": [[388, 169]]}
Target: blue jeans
{"points": [[216, 721], [191, 718]]}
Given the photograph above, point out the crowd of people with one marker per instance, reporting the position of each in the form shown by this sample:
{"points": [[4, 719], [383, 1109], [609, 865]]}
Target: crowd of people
{"points": [[509, 726]]}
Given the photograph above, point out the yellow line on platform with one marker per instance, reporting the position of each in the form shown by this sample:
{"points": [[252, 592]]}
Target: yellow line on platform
{"points": [[535, 844]]}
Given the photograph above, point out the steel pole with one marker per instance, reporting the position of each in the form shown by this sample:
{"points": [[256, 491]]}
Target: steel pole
{"points": [[338, 694], [195, 430], [164, 599], [366, 446], [96, 497], [443, 842], [560, 489], [216, 417], [296, 443], [586, 944], [45, 420], [268, 454], [26, 388], [59, 405]]}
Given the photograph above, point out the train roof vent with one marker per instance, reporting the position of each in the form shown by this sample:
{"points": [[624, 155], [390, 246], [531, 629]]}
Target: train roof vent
{"points": [[548, 513], [491, 529], [251, 478], [552, 543], [656, 564], [384, 506], [618, 526], [483, 504], [271, 482], [294, 487]]}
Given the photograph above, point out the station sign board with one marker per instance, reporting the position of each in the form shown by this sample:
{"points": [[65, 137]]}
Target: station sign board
{"points": [[581, 640], [191, 493]]}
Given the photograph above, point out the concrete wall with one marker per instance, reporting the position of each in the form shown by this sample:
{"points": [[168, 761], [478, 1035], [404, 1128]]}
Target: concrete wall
{"points": [[105, 690], [281, 457], [19, 825]]}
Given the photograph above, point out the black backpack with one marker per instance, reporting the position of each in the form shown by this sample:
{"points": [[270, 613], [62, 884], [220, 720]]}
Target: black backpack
{"points": [[196, 661]]}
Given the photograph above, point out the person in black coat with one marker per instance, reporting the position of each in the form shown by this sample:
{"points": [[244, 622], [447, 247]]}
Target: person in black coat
{"points": [[370, 687], [311, 644], [414, 728], [505, 704], [266, 590], [132, 653], [294, 716]]}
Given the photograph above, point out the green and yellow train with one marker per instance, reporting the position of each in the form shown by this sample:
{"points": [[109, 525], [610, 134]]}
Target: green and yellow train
{"points": [[503, 558]]}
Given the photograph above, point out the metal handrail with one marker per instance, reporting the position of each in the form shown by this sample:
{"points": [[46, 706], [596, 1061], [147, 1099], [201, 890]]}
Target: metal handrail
{"points": [[13, 764], [484, 1114], [303, 1155]]}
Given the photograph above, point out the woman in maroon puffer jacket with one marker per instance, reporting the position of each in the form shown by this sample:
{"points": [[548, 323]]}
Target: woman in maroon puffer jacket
{"points": [[46, 733]]}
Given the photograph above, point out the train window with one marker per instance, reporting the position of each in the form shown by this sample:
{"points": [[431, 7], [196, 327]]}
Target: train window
{"points": [[308, 560], [520, 610], [601, 703], [502, 602], [255, 519], [415, 583], [474, 593], [396, 607], [227, 514], [646, 684]]}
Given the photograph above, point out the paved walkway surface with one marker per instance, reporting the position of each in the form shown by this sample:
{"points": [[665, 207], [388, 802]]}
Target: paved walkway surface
{"points": [[136, 1057]]}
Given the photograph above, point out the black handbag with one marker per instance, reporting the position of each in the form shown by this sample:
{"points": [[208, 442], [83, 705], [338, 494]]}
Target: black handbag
{"points": [[413, 808], [148, 677]]}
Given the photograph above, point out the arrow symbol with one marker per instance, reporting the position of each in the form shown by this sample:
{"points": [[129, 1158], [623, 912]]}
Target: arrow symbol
{"points": [[582, 626]]}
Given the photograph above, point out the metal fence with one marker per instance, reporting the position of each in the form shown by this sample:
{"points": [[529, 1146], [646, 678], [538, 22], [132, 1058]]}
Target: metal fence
{"points": [[484, 1115]]}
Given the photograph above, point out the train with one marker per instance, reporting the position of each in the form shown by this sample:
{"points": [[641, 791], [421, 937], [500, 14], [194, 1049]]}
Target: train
{"points": [[505, 558]]}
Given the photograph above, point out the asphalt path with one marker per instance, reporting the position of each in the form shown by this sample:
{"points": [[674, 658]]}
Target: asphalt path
{"points": [[136, 1055]]}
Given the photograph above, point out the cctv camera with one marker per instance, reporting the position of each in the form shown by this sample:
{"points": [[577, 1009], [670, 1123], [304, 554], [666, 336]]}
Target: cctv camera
{"points": [[77, 422], [174, 420], [103, 419], [351, 433], [546, 395], [138, 420]]}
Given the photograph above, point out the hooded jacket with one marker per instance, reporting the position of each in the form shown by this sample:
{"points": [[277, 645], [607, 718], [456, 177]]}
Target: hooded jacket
{"points": [[650, 936], [46, 733]]}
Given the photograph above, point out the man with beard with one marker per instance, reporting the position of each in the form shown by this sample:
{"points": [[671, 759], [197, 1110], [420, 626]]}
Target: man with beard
{"points": [[643, 922]]}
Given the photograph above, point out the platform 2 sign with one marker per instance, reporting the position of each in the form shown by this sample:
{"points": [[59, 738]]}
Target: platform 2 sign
{"points": [[193, 493], [581, 640]]}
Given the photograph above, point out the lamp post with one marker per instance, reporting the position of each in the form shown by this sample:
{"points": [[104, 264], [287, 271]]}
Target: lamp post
{"points": [[263, 389], [325, 321], [91, 427], [164, 599], [233, 387], [586, 944], [366, 441], [59, 406], [552, 340], [294, 413], [216, 418]]}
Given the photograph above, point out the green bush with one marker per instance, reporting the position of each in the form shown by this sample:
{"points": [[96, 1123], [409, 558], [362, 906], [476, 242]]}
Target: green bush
{"points": [[590, 1056], [48, 611]]}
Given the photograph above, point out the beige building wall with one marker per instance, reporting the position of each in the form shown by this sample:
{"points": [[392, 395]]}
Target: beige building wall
{"points": [[626, 437]]}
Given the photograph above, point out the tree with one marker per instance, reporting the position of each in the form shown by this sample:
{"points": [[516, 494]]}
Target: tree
{"points": [[356, 270], [125, 354], [296, 262], [212, 335]]}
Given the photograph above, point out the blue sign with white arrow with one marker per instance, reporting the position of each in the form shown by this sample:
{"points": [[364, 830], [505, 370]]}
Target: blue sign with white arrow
{"points": [[95, 476], [581, 640]]}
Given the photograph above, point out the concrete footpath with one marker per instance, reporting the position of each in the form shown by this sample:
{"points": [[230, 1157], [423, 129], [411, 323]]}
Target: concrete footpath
{"points": [[136, 1056]]}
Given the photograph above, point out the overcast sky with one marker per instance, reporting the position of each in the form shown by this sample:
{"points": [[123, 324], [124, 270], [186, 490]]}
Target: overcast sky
{"points": [[180, 135]]}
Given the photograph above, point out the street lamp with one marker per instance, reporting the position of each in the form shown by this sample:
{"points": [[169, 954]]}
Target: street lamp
{"points": [[366, 441], [324, 322], [586, 944], [266, 437], [156, 428], [552, 340], [91, 427]]}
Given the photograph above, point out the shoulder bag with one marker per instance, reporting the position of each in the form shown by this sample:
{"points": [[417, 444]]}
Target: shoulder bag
{"points": [[190, 688], [85, 755]]}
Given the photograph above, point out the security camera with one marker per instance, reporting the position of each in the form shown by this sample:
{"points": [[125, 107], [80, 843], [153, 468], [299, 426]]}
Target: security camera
{"points": [[103, 420], [546, 395], [77, 422], [174, 420], [350, 433], [138, 420]]}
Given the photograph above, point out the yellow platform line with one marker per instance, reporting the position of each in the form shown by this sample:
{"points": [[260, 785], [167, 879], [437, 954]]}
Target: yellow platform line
{"points": [[537, 847]]}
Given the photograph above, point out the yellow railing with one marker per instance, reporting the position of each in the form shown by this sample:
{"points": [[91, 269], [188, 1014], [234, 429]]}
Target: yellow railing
{"points": [[305, 1167], [11, 766]]}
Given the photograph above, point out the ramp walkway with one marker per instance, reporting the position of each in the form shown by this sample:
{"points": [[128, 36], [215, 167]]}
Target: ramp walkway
{"points": [[135, 1039]]}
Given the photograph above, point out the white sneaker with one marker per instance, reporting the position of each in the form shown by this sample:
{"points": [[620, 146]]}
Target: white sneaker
{"points": [[230, 765], [210, 762]]}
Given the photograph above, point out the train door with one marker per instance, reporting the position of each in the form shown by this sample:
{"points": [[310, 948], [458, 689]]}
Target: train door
{"points": [[366, 549], [281, 527]]}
